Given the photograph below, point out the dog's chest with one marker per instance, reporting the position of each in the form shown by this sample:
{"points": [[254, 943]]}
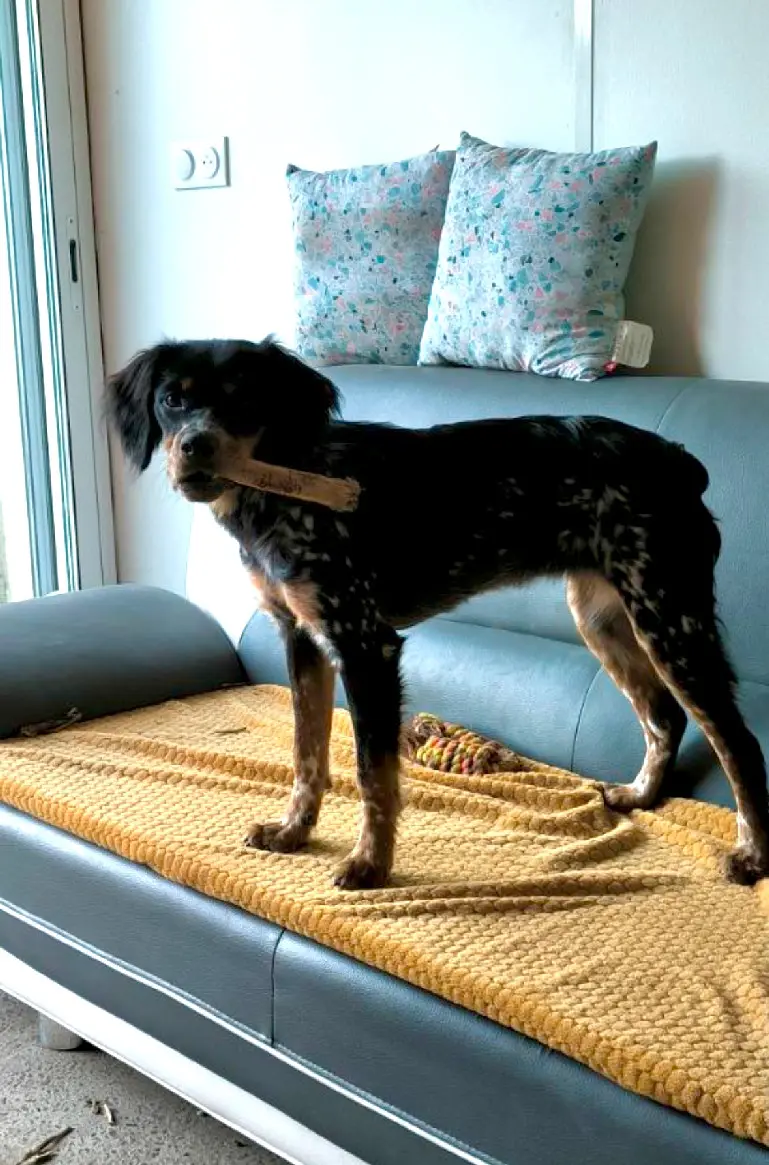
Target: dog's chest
{"points": [[278, 538]]}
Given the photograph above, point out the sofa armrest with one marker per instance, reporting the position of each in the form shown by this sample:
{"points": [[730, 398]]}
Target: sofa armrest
{"points": [[95, 652]]}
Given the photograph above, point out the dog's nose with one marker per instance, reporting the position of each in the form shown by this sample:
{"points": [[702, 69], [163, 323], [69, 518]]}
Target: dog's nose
{"points": [[196, 445]]}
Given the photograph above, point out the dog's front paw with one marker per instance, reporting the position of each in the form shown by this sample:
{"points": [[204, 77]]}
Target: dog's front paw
{"points": [[747, 865], [276, 836], [359, 873]]}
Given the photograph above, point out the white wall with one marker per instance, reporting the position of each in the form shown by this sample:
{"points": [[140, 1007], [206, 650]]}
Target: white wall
{"points": [[694, 73], [341, 82], [320, 84]]}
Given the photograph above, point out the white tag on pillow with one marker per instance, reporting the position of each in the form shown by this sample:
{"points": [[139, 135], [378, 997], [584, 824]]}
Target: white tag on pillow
{"points": [[633, 345]]}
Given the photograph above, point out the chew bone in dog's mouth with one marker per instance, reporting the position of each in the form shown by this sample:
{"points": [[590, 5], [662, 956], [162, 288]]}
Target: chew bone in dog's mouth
{"points": [[201, 484]]}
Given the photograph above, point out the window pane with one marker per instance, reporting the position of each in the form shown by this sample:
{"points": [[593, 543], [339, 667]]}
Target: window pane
{"points": [[37, 547]]}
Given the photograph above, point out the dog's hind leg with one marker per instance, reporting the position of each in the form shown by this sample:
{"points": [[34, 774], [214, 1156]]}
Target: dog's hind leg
{"points": [[602, 621], [670, 602], [312, 689]]}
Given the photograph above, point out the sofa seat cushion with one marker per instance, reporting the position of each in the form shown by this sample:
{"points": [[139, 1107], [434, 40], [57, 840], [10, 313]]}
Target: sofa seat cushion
{"points": [[485, 864], [323, 1037], [492, 1092], [213, 955]]}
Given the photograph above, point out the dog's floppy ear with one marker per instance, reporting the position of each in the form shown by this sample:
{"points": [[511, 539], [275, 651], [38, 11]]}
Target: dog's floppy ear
{"points": [[311, 397], [130, 404]]}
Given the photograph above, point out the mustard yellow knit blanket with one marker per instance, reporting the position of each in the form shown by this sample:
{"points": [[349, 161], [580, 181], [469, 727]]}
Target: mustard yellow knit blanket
{"points": [[519, 895]]}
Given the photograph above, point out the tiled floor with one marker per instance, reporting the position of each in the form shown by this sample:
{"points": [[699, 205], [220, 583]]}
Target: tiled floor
{"points": [[43, 1092]]}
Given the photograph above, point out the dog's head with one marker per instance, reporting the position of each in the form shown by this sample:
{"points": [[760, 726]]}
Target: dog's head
{"points": [[207, 401]]}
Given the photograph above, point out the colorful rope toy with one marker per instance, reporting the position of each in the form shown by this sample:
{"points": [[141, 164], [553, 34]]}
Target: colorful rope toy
{"points": [[450, 748]]}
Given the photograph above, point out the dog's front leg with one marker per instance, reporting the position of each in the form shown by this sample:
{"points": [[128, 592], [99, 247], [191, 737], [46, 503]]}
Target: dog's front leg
{"points": [[312, 689], [370, 666]]}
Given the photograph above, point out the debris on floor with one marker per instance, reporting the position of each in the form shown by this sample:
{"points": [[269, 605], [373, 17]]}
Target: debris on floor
{"points": [[43, 1091], [101, 1108], [46, 1150]]}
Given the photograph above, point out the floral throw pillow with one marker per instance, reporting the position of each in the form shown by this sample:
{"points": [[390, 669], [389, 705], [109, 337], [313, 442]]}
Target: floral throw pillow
{"points": [[366, 244], [534, 256]]}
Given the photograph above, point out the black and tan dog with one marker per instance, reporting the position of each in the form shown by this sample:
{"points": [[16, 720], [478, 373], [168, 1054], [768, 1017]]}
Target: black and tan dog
{"points": [[615, 509]]}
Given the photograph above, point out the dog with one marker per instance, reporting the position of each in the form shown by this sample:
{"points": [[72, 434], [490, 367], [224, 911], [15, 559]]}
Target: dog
{"points": [[617, 510]]}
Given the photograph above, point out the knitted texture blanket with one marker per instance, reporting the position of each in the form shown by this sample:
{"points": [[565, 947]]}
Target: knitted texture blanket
{"points": [[517, 894]]}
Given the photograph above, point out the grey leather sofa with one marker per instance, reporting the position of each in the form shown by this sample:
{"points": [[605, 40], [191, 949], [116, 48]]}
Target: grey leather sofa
{"points": [[315, 1054]]}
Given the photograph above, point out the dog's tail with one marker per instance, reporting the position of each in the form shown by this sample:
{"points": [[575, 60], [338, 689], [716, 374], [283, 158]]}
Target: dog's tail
{"points": [[697, 528], [694, 476]]}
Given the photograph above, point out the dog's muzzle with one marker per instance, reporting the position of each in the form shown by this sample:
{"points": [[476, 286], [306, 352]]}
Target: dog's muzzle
{"points": [[191, 465]]}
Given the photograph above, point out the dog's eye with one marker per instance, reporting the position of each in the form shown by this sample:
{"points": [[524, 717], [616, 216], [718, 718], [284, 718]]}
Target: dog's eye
{"points": [[173, 399]]}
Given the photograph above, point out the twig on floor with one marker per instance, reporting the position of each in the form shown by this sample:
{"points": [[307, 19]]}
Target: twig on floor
{"points": [[101, 1108], [46, 1150]]}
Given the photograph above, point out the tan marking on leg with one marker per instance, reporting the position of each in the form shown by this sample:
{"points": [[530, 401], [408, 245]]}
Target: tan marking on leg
{"points": [[313, 700], [750, 859], [313, 710], [370, 863], [267, 599], [602, 621], [301, 598]]}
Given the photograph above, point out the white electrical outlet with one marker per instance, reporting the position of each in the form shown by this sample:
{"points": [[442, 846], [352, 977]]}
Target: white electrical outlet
{"points": [[198, 164]]}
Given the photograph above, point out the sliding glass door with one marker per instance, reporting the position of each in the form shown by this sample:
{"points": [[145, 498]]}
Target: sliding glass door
{"points": [[29, 550], [55, 512], [16, 571]]}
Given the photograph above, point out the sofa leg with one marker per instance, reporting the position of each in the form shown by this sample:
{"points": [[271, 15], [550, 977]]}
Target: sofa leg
{"points": [[52, 1035]]}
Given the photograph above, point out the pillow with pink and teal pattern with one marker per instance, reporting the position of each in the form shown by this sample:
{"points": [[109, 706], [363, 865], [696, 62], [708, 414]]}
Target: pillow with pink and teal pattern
{"points": [[366, 243], [533, 258]]}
